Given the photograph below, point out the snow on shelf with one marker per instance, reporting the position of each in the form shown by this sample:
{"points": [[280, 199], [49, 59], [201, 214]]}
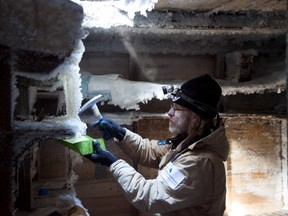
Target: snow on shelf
{"points": [[274, 82], [58, 125], [28, 131]]}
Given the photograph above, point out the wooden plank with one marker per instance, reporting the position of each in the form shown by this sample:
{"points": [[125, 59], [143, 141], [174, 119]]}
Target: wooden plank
{"points": [[6, 137], [5, 83], [153, 68], [53, 160], [99, 64], [24, 199], [254, 166]]}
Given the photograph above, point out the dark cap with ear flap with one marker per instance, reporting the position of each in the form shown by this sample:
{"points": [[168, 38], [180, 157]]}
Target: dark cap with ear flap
{"points": [[200, 94]]}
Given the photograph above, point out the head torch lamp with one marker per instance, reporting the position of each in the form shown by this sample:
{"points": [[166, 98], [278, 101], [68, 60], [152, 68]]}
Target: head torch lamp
{"points": [[167, 89]]}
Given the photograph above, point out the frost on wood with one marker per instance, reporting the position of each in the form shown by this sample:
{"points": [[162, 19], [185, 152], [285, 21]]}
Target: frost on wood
{"points": [[29, 131], [61, 127], [54, 127], [60, 25], [129, 94], [66, 76], [274, 82]]}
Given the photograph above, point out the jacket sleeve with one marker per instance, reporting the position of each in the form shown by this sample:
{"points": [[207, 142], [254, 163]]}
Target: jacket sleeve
{"points": [[143, 151], [183, 188]]}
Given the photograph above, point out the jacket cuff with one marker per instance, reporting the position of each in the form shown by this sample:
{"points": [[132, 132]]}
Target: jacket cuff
{"points": [[114, 165]]}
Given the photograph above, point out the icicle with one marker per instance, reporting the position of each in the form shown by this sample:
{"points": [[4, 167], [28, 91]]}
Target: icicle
{"points": [[70, 76]]}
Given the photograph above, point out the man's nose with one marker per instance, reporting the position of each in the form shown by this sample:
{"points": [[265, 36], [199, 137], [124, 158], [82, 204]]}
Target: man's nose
{"points": [[171, 112]]}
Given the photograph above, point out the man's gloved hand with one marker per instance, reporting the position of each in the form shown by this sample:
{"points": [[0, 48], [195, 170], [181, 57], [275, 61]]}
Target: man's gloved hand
{"points": [[110, 129], [101, 156]]}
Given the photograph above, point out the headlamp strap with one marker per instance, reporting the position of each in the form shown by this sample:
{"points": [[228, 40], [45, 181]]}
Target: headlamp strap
{"points": [[201, 106]]}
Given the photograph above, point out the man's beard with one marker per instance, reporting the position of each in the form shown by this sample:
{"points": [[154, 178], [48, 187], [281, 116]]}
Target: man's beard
{"points": [[174, 129], [187, 128]]}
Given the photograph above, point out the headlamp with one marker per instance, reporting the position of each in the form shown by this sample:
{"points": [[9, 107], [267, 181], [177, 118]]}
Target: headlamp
{"points": [[167, 89]]}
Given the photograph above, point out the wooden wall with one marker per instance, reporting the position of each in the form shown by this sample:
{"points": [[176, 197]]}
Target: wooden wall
{"points": [[150, 68]]}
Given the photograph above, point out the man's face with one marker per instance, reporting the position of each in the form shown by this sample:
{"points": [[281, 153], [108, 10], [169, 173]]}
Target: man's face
{"points": [[182, 120]]}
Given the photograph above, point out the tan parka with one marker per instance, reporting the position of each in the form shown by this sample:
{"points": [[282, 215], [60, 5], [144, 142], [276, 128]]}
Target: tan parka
{"points": [[191, 178]]}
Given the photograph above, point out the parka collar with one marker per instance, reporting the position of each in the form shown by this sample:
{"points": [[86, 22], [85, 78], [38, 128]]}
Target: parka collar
{"points": [[216, 142]]}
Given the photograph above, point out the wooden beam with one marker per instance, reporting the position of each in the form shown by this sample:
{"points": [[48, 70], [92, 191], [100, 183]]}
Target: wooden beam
{"points": [[24, 199], [6, 137]]}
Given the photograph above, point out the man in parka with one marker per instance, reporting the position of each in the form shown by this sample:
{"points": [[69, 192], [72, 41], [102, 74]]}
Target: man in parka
{"points": [[191, 178]]}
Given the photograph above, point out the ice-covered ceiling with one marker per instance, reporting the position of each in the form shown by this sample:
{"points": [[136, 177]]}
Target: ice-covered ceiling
{"points": [[42, 33], [53, 26]]}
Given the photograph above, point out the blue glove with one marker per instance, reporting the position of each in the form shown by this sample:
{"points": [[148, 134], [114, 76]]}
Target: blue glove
{"points": [[110, 129], [101, 156]]}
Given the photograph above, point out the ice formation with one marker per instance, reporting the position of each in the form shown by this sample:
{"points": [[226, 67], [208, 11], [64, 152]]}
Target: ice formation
{"points": [[69, 125], [121, 92], [70, 76], [274, 82], [113, 13], [133, 6]]}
